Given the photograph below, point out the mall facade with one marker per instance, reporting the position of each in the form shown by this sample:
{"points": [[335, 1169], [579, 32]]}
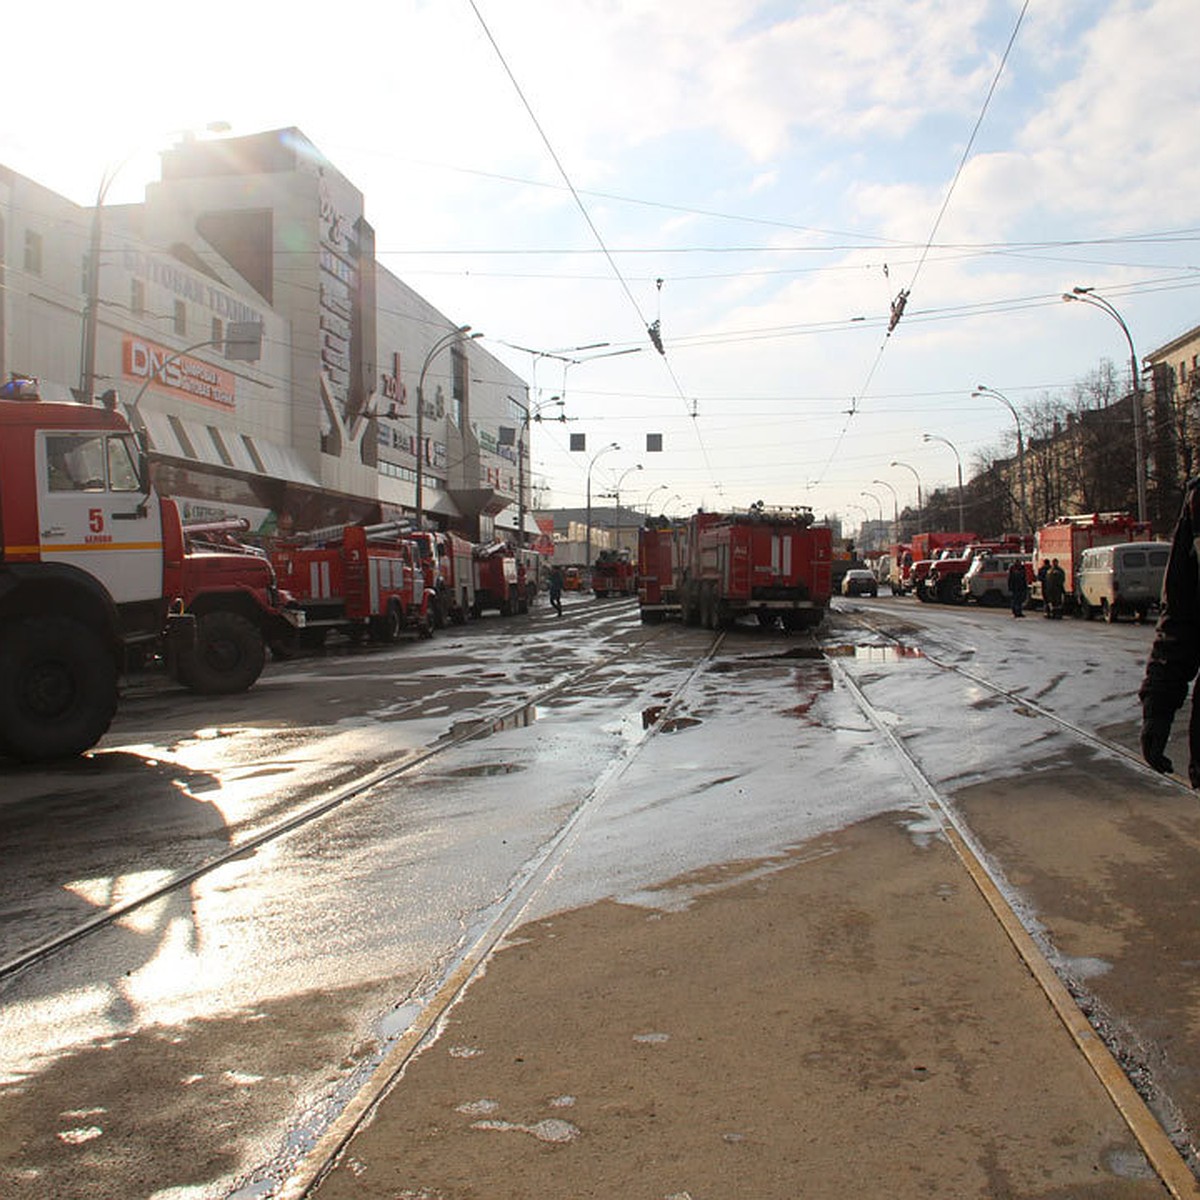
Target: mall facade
{"points": [[273, 364]]}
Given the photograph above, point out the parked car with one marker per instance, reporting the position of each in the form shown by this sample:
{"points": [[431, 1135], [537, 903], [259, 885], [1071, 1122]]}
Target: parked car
{"points": [[1125, 578], [857, 582]]}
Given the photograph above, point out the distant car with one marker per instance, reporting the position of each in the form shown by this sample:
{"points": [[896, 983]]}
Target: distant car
{"points": [[572, 579], [860, 583]]}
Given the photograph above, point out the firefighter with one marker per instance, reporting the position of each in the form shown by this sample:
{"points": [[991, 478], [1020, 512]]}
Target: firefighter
{"points": [[1054, 590], [1018, 588], [1175, 654]]}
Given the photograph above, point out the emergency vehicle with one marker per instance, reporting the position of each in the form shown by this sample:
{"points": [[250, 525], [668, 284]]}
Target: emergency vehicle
{"points": [[498, 582], [447, 561], [772, 563], [97, 570], [662, 545], [1067, 537], [613, 574], [358, 580]]}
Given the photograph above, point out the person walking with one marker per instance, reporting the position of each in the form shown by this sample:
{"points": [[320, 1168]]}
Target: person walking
{"points": [[556, 589], [1018, 588], [1175, 654]]}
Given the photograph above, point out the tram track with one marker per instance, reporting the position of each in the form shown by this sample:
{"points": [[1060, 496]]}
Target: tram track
{"points": [[1020, 926], [507, 915], [317, 806]]}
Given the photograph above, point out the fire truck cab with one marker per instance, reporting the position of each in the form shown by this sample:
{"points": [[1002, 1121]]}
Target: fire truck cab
{"points": [[96, 568]]}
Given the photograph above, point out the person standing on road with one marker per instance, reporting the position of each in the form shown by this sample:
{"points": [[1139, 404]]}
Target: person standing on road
{"points": [[556, 589], [1018, 588], [1175, 655], [1054, 590]]}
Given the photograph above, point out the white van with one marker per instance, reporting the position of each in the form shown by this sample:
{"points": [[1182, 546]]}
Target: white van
{"points": [[1125, 578], [986, 580]]}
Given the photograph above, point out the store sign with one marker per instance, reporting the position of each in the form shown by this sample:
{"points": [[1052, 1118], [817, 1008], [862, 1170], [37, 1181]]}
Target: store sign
{"points": [[179, 374]]}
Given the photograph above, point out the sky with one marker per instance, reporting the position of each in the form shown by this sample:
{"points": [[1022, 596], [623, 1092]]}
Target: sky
{"points": [[762, 179]]}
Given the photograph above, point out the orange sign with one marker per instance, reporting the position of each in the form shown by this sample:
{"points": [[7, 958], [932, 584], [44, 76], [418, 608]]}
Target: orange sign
{"points": [[179, 373]]}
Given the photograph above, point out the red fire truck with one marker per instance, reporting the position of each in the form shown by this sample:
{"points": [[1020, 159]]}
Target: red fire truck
{"points": [[96, 570], [1067, 537], [448, 565], [498, 580], [661, 548], [927, 548], [613, 574], [359, 580], [773, 563]]}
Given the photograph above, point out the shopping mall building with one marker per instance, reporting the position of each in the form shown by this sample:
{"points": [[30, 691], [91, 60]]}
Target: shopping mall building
{"points": [[274, 363]]}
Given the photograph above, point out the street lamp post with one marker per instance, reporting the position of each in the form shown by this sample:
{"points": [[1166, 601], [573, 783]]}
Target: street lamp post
{"points": [[617, 497], [920, 507], [447, 339], [895, 506], [591, 464], [872, 496], [91, 306], [536, 415], [866, 518], [662, 487], [933, 437], [984, 390], [1088, 296]]}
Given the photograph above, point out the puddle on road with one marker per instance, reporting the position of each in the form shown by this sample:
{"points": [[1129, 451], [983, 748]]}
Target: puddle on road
{"points": [[521, 719], [483, 769], [653, 714], [874, 653]]}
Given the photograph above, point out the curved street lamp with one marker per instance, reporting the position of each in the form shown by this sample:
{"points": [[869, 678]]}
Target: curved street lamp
{"points": [[864, 521], [920, 507], [447, 339], [895, 505], [617, 497], [983, 390], [662, 487], [1087, 296], [933, 437], [591, 464]]}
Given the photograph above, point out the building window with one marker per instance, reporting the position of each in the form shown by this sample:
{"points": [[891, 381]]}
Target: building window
{"points": [[255, 457], [215, 434], [180, 317], [137, 298], [218, 331], [33, 252], [185, 442]]}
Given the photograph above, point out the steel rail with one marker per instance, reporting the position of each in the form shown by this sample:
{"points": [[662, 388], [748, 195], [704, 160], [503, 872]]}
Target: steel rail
{"points": [[1022, 930], [326, 803]]}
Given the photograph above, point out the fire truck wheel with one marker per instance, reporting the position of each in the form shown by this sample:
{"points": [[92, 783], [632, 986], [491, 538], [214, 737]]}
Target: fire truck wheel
{"points": [[387, 628], [228, 657], [59, 689]]}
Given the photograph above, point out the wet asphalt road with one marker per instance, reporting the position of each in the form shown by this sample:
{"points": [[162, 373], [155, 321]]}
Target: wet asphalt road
{"points": [[196, 1045]]}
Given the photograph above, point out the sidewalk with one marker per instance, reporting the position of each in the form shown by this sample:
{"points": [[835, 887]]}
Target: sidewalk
{"points": [[848, 1022]]}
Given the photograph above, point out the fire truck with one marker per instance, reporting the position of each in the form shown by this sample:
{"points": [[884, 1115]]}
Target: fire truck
{"points": [[498, 580], [613, 574], [772, 563], [1067, 537], [358, 580], [661, 548], [97, 571], [447, 562], [944, 582], [927, 548]]}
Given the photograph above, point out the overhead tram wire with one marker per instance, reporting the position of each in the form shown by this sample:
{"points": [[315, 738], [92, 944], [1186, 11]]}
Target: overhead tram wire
{"points": [[898, 305], [652, 330]]}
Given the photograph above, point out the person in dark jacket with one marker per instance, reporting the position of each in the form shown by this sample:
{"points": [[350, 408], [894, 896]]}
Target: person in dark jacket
{"points": [[1054, 590], [1018, 588], [1175, 655], [556, 589]]}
